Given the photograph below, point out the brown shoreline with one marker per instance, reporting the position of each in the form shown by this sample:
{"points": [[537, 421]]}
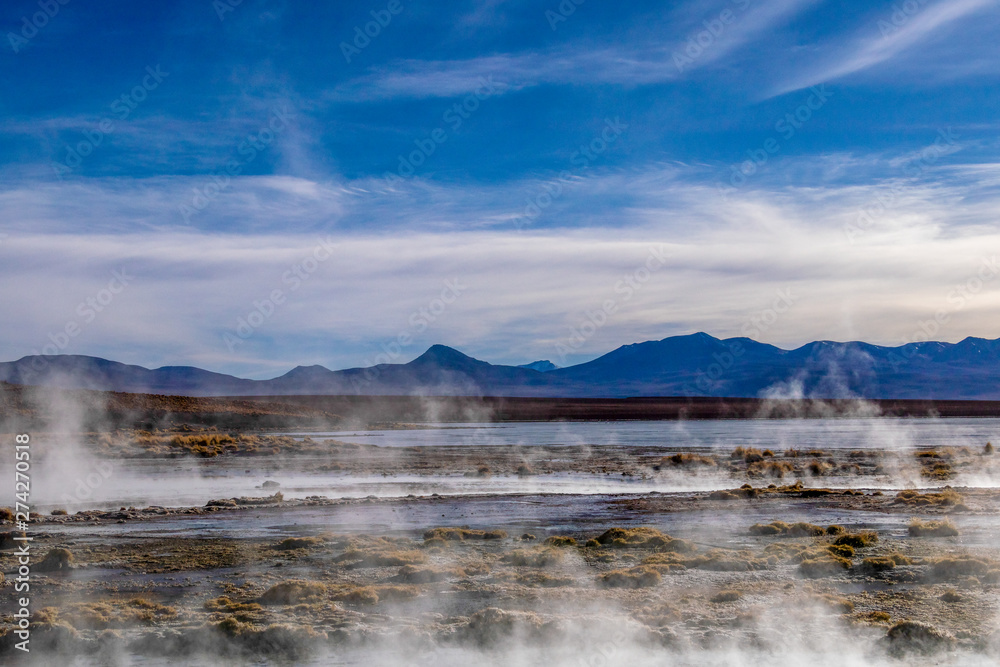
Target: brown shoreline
{"points": [[458, 409], [26, 407]]}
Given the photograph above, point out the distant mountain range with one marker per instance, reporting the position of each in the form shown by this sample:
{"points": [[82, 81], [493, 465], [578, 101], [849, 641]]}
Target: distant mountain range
{"points": [[694, 365]]}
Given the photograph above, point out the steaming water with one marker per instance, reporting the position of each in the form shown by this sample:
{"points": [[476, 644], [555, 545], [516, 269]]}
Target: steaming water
{"points": [[544, 504], [180, 482], [713, 433]]}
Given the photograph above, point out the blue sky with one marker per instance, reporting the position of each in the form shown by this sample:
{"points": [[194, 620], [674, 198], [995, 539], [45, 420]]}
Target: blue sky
{"points": [[844, 153]]}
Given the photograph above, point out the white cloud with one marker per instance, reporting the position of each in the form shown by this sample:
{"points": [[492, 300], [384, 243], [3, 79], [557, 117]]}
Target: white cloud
{"points": [[525, 290], [893, 34]]}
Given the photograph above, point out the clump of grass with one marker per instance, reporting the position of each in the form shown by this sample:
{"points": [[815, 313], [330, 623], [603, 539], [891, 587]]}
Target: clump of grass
{"points": [[524, 470], [729, 595], [783, 529], [411, 574], [357, 595], [560, 541], [876, 564], [842, 550], [943, 528], [464, 533], [291, 543], [947, 497], [292, 592], [637, 577], [723, 495], [6, 515], [633, 537], [716, 560], [835, 529], [874, 618], [988, 449], [687, 460], [55, 560], [860, 540], [59, 512], [748, 454], [540, 557], [228, 605], [677, 545], [939, 470], [928, 454], [917, 637], [7, 540], [950, 597], [434, 542], [818, 468]]}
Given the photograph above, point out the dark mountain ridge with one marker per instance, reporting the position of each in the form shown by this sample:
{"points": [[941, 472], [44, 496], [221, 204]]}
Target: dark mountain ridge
{"points": [[692, 365]]}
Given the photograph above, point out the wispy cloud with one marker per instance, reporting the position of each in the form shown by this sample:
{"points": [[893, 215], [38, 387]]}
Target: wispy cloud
{"points": [[884, 39]]}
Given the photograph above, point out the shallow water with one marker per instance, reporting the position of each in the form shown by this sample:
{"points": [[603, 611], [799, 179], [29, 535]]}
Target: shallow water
{"points": [[190, 482], [875, 433]]}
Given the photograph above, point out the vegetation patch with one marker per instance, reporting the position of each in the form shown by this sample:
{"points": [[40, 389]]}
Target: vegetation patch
{"points": [[292, 543], [292, 592], [729, 595], [637, 577], [860, 540], [919, 528], [947, 497], [917, 637], [411, 574], [55, 560], [633, 537], [540, 557], [461, 534], [686, 460], [782, 529]]}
